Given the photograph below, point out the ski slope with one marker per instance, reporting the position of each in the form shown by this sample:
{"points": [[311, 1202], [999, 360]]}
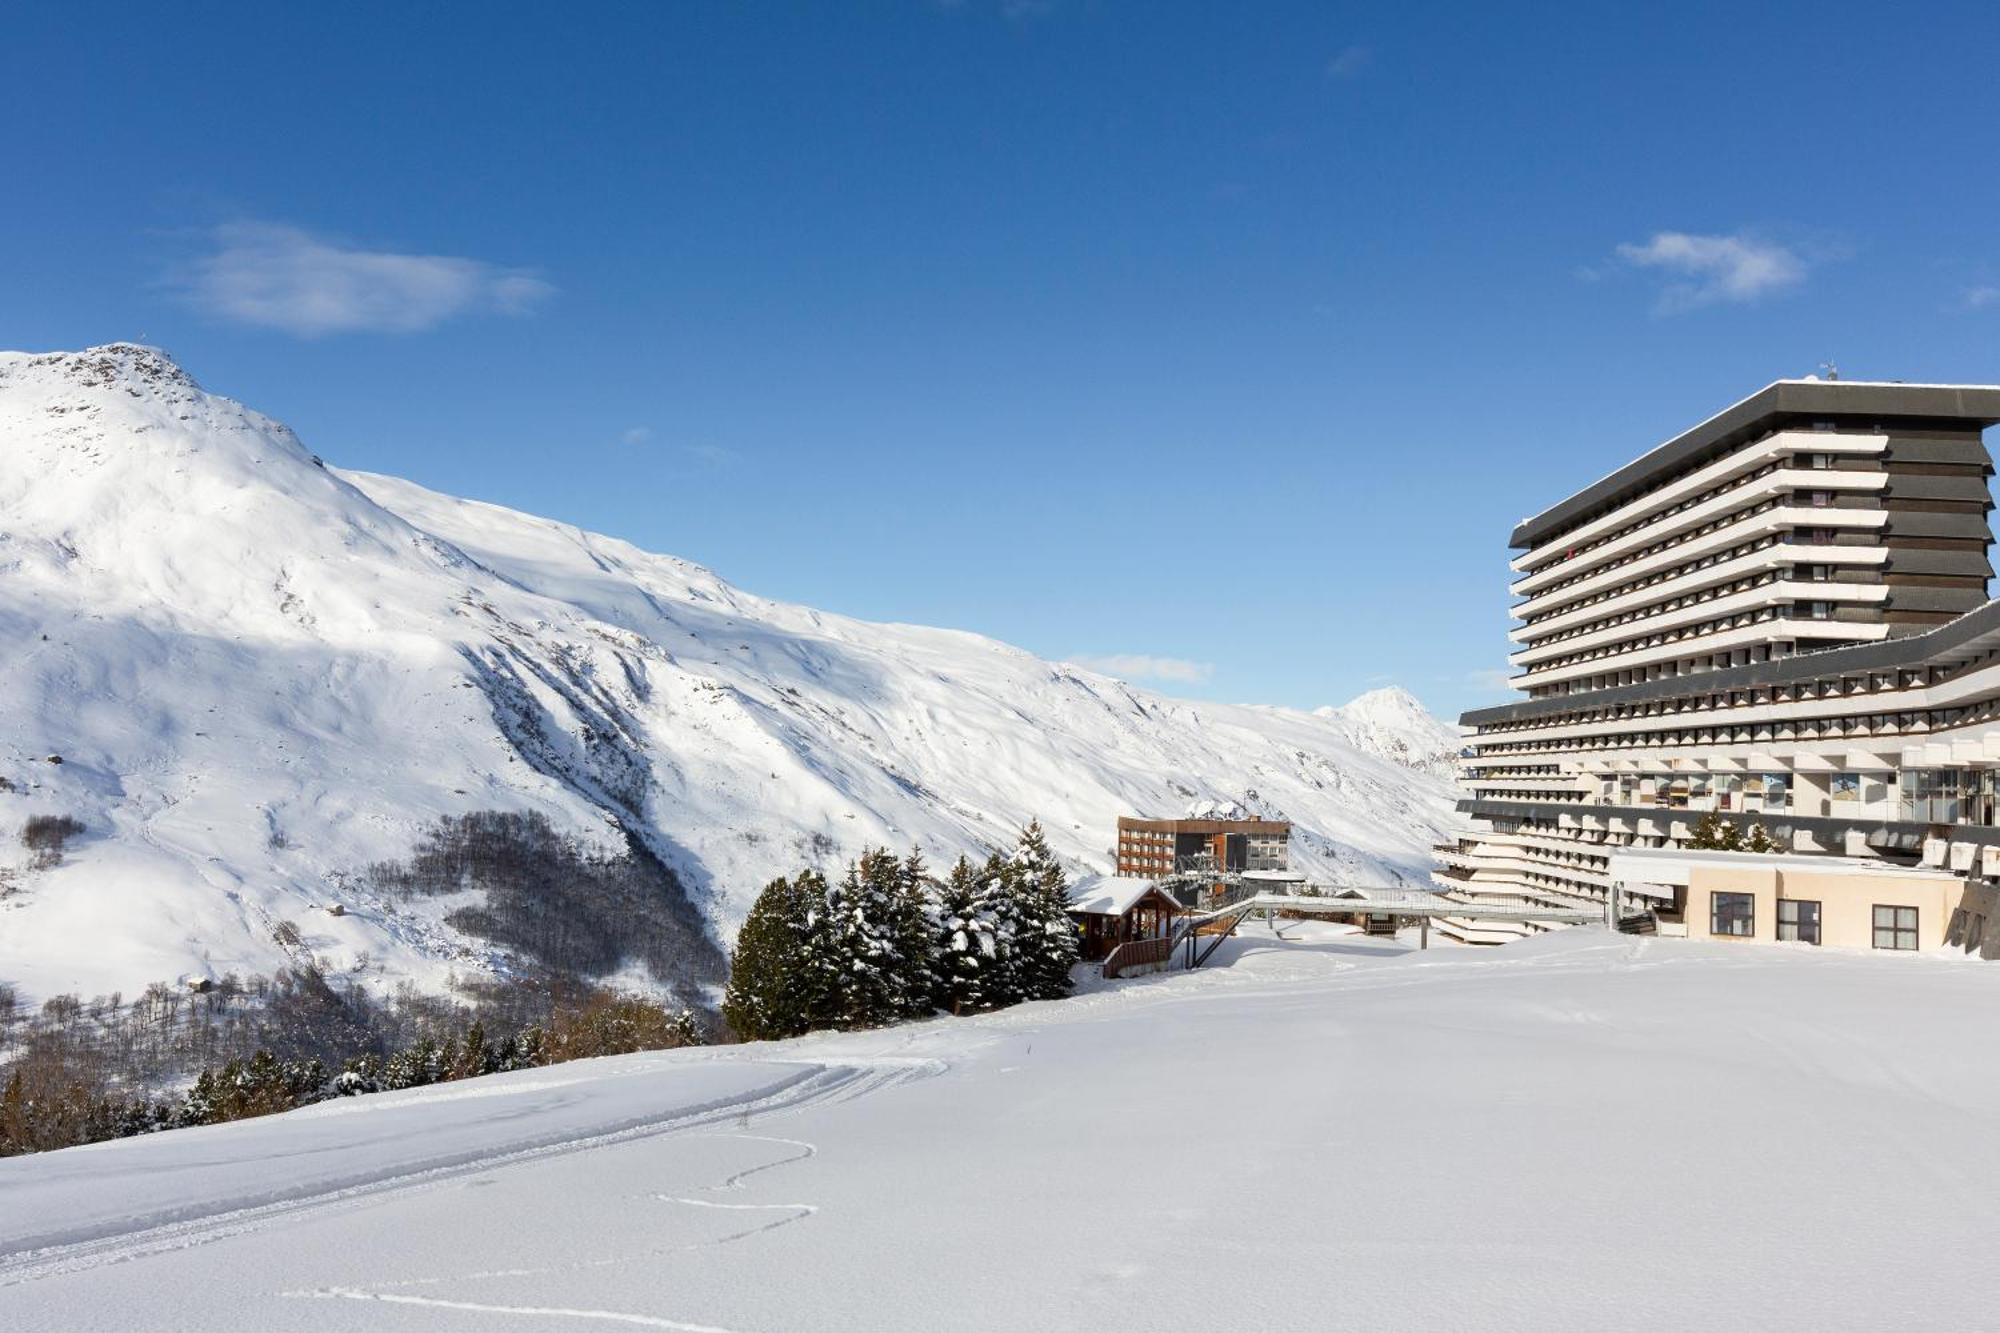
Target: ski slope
{"points": [[262, 674], [1575, 1132]]}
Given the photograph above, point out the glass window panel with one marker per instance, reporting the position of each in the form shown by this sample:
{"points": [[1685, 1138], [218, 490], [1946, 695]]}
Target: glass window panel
{"points": [[1732, 914]]}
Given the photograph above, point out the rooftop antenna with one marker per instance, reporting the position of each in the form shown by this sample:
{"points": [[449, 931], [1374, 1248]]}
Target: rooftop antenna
{"points": [[1832, 371]]}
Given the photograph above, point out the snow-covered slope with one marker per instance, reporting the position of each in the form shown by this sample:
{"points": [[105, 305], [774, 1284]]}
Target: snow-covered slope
{"points": [[262, 675]]}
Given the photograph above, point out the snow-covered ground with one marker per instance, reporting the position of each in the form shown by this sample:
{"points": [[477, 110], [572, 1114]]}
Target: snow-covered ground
{"points": [[262, 674], [1581, 1131]]}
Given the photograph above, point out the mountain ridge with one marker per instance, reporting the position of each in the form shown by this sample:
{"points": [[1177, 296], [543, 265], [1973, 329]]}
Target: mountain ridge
{"points": [[264, 674]]}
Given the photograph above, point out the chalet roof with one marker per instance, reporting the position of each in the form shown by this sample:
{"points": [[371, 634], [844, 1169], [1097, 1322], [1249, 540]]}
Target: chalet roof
{"points": [[1111, 895]]}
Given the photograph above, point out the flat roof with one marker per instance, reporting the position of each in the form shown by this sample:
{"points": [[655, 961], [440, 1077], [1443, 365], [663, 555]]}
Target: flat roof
{"points": [[1739, 423], [1663, 866], [1204, 824]]}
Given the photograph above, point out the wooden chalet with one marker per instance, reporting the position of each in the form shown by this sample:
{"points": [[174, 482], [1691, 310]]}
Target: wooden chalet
{"points": [[1111, 910]]}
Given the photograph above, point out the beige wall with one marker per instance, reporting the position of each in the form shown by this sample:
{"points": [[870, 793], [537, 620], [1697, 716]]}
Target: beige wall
{"points": [[1847, 902]]}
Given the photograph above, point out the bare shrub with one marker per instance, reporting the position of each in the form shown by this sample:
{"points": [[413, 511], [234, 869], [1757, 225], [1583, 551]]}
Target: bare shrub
{"points": [[47, 835], [85, 1071]]}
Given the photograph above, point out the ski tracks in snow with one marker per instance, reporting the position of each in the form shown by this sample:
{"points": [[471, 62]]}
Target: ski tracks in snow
{"points": [[854, 1081], [817, 1083]]}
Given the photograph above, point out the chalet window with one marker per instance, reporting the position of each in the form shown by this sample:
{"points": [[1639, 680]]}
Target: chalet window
{"points": [[1736, 914], [1895, 927], [1798, 919]]}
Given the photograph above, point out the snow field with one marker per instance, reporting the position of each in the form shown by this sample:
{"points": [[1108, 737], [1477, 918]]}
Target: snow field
{"points": [[1578, 1131]]}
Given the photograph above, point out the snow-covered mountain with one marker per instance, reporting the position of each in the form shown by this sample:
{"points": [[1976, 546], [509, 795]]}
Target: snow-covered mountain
{"points": [[1391, 723], [261, 675]]}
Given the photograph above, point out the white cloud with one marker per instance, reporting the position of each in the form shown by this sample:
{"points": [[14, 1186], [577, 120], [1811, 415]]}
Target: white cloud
{"points": [[1349, 62], [637, 435], [1710, 269], [1138, 666], [1491, 680], [272, 276], [1978, 298]]}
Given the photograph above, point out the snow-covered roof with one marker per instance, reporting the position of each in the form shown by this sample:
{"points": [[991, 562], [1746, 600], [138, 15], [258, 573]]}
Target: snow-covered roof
{"points": [[1108, 895], [1636, 868]]}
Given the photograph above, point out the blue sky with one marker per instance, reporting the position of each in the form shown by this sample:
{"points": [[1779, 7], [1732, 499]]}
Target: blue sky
{"points": [[1224, 343]]}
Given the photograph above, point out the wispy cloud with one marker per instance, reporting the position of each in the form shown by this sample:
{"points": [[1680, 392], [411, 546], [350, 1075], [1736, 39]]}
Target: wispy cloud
{"points": [[1138, 666], [1706, 270], [1349, 61], [706, 455], [1978, 298], [1491, 680], [685, 458], [268, 275]]}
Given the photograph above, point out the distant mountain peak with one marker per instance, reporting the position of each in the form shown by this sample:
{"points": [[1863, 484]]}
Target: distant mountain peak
{"points": [[1392, 722], [1391, 699], [134, 366]]}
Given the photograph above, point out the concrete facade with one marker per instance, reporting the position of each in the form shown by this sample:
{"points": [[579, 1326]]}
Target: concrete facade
{"points": [[1775, 623]]}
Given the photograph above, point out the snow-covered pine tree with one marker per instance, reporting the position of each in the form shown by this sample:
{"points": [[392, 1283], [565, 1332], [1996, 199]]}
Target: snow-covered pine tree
{"points": [[916, 933], [769, 995], [999, 889], [967, 957], [1045, 937], [864, 967]]}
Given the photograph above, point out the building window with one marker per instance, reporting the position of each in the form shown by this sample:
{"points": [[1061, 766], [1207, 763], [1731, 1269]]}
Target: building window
{"points": [[1895, 927], [1798, 919], [1735, 914]]}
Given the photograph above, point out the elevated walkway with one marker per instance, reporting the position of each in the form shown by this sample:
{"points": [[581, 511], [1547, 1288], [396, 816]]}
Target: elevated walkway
{"points": [[1211, 915]]}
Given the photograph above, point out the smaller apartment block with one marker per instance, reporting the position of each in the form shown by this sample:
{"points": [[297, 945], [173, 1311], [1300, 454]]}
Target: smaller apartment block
{"points": [[1152, 848], [1777, 622]]}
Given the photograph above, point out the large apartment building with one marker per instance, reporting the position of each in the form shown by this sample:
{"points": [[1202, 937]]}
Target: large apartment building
{"points": [[1778, 619], [1152, 848]]}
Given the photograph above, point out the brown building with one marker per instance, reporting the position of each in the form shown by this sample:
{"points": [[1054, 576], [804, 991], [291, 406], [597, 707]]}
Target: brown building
{"points": [[1152, 848]]}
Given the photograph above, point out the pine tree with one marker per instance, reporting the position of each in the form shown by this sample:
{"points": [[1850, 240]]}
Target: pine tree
{"points": [[866, 969], [768, 995], [1713, 834], [915, 931], [1044, 944], [999, 890], [966, 949]]}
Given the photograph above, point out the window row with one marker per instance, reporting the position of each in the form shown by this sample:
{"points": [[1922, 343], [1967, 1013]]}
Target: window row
{"points": [[1734, 915]]}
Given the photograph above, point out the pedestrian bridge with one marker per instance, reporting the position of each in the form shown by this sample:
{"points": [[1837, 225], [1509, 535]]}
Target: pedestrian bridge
{"points": [[1210, 915]]}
